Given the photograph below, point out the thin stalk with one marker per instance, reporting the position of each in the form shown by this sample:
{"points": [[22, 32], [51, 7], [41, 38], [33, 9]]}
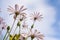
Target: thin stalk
{"points": [[31, 39], [25, 38], [8, 35], [32, 24], [19, 30], [12, 26], [19, 27], [16, 28], [5, 36], [10, 29]]}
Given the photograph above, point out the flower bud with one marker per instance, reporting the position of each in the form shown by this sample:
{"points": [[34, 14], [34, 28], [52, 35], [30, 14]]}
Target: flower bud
{"points": [[8, 28]]}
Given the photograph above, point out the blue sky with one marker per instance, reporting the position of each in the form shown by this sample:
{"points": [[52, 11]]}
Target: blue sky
{"points": [[49, 26], [56, 25]]}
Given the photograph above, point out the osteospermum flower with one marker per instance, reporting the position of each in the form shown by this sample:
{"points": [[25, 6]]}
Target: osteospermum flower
{"points": [[22, 17], [2, 25], [24, 25], [17, 11], [36, 16], [35, 34], [25, 30], [23, 36]]}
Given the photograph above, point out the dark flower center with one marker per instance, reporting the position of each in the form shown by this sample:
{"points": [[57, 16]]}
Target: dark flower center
{"points": [[35, 18], [16, 13], [32, 36], [21, 19], [23, 38], [2, 27]]}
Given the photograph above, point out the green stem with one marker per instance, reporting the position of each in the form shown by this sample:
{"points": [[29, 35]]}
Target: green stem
{"points": [[5, 36], [12, 26], [10, 29], [32, 25], [25, 38], [16, 28], [8, 35], [19, 30], [31, 39]]}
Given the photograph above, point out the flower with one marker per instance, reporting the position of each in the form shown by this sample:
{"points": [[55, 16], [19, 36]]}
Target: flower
{"points": [[22, 17], [24, 30], [36, 16], [35, 34], [2, 24], [22, 37], [24, 25], [17, 11]]}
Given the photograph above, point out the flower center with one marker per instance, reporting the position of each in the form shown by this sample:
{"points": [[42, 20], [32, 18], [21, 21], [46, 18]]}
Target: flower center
{"points": [[2, 27], [35, 18], [32, 36], [16, 13]]}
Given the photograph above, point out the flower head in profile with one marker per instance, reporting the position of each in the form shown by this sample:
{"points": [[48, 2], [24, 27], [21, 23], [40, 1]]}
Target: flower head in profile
{"points": [[35, 34], [23, 36], [36, 16], [2, 24], [17, 11], [24, 25], [24, 30], [22, 17]]}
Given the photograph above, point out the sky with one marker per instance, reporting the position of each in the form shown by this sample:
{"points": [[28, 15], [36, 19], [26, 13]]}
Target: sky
{"points": [[50, 9]]}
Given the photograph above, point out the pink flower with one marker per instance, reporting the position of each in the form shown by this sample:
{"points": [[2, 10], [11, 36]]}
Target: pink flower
{"points": [[23, 36], [2, 25], [17, 11], [36, 16], [24, 25], [35, 34]]}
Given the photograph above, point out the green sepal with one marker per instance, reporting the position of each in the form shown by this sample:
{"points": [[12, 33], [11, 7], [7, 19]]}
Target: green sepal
{"points": [[32, 26], [18, 24], [8, 28]]}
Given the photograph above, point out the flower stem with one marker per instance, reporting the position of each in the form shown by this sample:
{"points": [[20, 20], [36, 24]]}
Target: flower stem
{"points": [[10, 29], [32, 25], [14, 30], [5, 36], [31, 38], [12, 26], [18, 25], [8, 35], [19, 30]]}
